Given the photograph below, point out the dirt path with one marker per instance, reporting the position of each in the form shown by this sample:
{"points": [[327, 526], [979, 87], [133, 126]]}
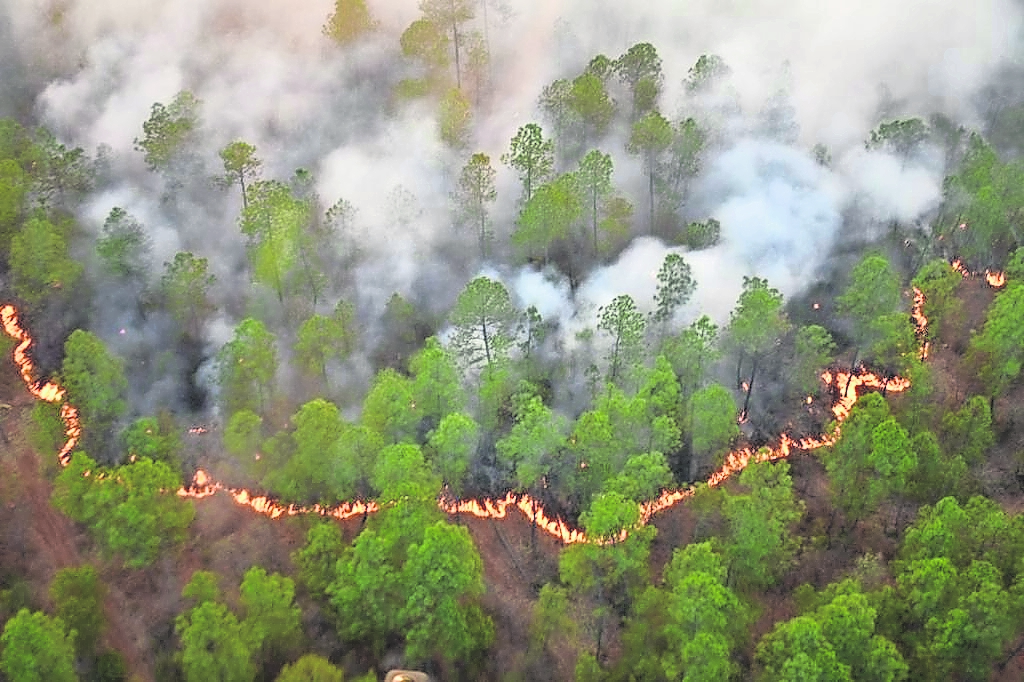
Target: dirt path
{"points": [[53, 541]]}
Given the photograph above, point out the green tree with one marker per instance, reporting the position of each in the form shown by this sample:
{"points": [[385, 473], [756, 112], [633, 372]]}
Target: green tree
{"points": [[77, 594], [349, 21], [760, 544], [95, 384], [36, 648], [40, 260], [304, 478], [186, 285], [705, 73], [594, 177], [639, 68], [901, 137], [473, 193], [246, 367], [243, 434], [451, 447], [797, 649], [624, 326], [484, 321], [999, 348], [685, 152], [435, 381], [712, 425], [589, 102], [390, 409], [548, 216], [847, 462], [442, 613], [531, 156], [813, 351], [705, 618], [426, 42], [153, 437], [272, 620], [675, 287], [124, 247], [755, 326], [310, 668], [323, 338], [273, 219], [450, 15], [352, 464], [168, 131], [215, 647], [873, 292], [968, 431], [132, 510], [241, 165], [14, 188], [649, 138], [643, 478], [454, 115], [938, 281], [318, 557]]}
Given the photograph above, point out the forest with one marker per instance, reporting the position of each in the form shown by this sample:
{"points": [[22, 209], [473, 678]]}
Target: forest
{"points": [[575, 342]]}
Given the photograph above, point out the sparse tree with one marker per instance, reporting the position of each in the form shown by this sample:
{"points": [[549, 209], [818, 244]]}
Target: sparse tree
{"points": [[186, 285], [484, 320], [675, 287], [124, 247], [474, 192], [594, 177], [624, 325], [348, 22], [240, 166], [649, 138], [532, 156], [449, 16], [168, 131]]}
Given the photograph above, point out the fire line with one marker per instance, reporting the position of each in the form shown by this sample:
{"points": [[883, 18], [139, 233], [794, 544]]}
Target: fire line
{"points": [[203, 485]]}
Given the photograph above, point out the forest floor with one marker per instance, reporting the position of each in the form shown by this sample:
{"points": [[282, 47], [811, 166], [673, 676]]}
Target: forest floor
{"points": [[36, 540]]}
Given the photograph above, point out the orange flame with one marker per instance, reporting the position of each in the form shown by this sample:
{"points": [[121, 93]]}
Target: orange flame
{"points": [[203, 485], [47, 391], [995, 279]]}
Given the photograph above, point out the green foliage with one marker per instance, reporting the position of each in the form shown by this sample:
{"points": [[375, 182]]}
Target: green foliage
{"points": [[311, 668], [168, 131], [901, 137], [999, 348], [240, 165], [548, 216], [349, 21], [531, 445], [46, 431], [202, 587], [701, 235], [705, 73], [14, 187], [318, 557], [425, 42], [968, 431], [444, 575], [451, 447], [594, 179], [306, 477], [589, 101], [675, 287], [155, 438], [650, 137], [272, 620], [760, 545], [273, 220], [475, 190], [246, 367], [131, 510], [40, 260], [95, 384], [623, 324], [938, 281], [323, 338], [643, 478], [435, 382], [186, 285], [454, 118], [814, 350], [390, 407], [124, 247], [243, 434], [712, 425], [484, 321], [531, 156], [705, 618], [215, 647], [401, 473], [797, 649], [77, 594], [36, 648]]}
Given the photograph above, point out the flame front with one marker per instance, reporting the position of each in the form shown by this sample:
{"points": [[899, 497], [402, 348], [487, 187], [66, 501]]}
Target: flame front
{"points": [[203, 485]]}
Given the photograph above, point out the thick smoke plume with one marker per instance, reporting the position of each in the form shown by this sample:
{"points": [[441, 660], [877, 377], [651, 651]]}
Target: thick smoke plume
{"points": [[803, 72]]}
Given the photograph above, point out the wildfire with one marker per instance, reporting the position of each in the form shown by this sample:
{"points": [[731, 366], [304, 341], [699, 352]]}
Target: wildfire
{"points": [[203, 485], [47, 391], [996, 279], [920, 321]]}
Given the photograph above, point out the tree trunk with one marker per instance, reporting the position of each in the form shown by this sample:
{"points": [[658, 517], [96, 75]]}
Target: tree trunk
{"points": [[739, 370], [853, 368], [750, 387], [651, 188], [245, 197], [458, 67], [487, 344], [594, 215]]}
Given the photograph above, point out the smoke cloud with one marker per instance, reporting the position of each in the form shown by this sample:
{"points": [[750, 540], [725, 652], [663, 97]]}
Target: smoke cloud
{"points": [[265, 73]]}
